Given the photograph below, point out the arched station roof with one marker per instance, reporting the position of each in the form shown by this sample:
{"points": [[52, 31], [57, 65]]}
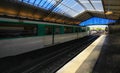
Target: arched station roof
{"points": [[60, 11], [70, 8]]}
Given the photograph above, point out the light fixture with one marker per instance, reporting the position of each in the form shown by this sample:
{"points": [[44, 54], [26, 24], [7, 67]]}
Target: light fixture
{"points": [[108, 12]]}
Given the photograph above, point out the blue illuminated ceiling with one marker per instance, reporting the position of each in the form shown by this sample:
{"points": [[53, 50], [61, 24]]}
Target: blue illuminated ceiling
{"points": [[69, 8], [97, 21]]}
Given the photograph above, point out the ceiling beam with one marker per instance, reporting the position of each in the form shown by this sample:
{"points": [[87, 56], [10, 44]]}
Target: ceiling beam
{"points": [[92, 4], [84, 7], [57, 3], [39, 3], [20, 7], [113, 9], [103, 4], [50, 11], [110, 5], [90, 13], [34, 2], [81, 4]]}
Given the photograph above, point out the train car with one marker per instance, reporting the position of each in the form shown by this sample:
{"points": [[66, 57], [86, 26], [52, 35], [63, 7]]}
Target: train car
{"points": [[21, 36]]}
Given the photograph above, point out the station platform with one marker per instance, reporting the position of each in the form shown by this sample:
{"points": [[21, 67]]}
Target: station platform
{"points": [[102, 56], [109, 60], [85, 61]]}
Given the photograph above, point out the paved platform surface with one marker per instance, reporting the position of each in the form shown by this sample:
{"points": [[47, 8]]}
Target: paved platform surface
{"points": [[85, 61], [109, 59]]}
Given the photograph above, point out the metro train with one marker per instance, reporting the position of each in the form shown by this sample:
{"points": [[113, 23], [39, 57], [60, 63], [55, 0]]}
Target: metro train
{"points": [[21, 36]]}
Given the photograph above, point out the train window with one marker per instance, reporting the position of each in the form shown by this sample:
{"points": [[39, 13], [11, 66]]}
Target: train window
{"points": [[12, 30], [48, 30], [76, 29], [83, 29], [57, 30], [68, 29]]}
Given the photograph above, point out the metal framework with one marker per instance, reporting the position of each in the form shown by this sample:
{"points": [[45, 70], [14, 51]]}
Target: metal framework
{"points": [[60, 11]]}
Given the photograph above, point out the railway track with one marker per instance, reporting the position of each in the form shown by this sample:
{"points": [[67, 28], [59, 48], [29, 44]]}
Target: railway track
{"points": [[51, 55]]}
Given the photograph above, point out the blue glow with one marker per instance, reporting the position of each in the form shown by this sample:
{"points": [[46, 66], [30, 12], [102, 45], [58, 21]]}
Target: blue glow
{"points": [[97, 21]]}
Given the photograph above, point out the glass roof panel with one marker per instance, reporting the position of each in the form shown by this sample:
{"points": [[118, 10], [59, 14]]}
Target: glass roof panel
{"points": [[37, 2], [50, 4], [26, 1], [31, 1], [98, 5], [45, 4], [87, 4], [69, 8]]}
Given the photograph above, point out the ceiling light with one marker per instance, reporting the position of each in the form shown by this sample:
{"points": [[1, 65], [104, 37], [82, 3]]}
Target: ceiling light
{"points": [[108, 9], [109, 12]]}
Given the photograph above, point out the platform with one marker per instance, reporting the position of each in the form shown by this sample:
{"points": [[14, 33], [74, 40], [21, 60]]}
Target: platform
{"points": [[109, 60], [84, 62]]}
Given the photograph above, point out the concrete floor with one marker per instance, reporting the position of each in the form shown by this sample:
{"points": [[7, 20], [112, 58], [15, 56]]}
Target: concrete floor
{"points": [[84, 62], [109, 59]]}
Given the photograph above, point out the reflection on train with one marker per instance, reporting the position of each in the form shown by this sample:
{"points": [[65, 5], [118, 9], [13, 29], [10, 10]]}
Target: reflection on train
{"points": [[21, 37], [13, 30]]}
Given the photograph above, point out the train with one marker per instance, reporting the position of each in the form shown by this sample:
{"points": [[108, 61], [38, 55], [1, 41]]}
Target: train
{"points": [[22, 36]]}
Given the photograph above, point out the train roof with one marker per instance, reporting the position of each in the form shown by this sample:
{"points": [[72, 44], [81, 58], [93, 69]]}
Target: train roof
{"points": [[32, 22]]}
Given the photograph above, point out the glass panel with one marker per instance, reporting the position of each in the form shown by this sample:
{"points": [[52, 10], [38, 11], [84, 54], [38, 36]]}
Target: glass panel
{"points": [[31, 1], [20, 0], [87, 4], [13, 30], [48, 30], [51, 3], [57, 30], [69, 8], [45, 4], [76, 29], [37, 2], [68, 29], [79, 9], [98, 5], [26, 1]]}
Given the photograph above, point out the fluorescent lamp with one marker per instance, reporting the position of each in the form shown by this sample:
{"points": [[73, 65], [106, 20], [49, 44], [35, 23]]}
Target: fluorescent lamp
{"points": [[109, 12]]}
